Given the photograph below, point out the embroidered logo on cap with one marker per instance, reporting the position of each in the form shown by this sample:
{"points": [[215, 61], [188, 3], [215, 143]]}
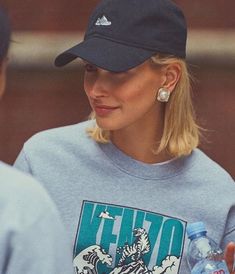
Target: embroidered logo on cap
{"points": [[103, 21]]}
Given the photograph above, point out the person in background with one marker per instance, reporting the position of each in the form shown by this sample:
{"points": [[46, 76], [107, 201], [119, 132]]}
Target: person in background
{"points": [[129, 180], [32, 236]]}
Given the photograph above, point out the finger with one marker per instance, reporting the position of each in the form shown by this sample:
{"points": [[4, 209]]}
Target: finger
{"points": [[229, 256]]}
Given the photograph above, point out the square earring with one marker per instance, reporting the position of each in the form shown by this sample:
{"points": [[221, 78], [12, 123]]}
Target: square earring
{"points": [[163, 95]]}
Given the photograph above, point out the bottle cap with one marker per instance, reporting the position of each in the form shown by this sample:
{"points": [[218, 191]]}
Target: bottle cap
{"points": [[195, 228]]}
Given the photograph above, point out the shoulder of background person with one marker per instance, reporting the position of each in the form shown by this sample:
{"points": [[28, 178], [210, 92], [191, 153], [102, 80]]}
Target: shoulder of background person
{"points": [[24, 192]]}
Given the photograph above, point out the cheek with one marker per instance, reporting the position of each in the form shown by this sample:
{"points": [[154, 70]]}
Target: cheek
{"points": [[134, 97], [134, 94], [86, 84], [86, 87]]}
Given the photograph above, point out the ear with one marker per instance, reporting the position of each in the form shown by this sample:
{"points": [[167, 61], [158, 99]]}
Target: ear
{"points": [[172, 73]]}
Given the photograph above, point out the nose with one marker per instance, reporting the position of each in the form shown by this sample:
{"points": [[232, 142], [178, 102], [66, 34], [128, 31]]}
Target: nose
{"points": [[97, 85]]}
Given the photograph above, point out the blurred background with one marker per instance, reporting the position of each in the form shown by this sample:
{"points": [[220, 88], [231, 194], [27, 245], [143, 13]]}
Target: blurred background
{"points": [[40, 96]]}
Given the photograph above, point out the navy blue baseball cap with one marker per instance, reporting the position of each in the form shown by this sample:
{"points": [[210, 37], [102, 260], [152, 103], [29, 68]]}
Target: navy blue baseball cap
{"points": [[122, 34]]}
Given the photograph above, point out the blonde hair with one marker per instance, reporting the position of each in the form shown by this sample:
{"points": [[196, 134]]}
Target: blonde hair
{"points": [[181, 133]]}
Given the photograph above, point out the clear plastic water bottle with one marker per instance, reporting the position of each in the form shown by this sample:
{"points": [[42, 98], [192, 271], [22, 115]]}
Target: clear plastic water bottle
{"points": [[204, 255]]}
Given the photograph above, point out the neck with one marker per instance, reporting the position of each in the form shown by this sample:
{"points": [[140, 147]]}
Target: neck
{"points": [[139, 140]]}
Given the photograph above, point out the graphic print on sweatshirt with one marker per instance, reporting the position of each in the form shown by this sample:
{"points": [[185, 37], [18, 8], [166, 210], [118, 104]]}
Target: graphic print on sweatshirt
{"points": [[115, 239]]}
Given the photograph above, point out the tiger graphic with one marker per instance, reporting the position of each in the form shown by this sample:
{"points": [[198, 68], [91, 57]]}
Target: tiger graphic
{"points": [[140, 247]]}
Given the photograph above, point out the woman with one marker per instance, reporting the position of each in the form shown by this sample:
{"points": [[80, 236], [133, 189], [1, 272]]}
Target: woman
{"points": [[128, 181], [32, 237]]}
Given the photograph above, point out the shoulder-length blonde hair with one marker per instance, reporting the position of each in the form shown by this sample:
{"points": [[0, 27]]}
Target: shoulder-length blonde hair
{"points": [[181, 133]]}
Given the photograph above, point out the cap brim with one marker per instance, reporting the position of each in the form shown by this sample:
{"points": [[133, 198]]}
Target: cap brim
{"points": [[106, 54]]}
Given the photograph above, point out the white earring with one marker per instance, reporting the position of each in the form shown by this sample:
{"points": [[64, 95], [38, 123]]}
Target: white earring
{"points": [[163, 95]]}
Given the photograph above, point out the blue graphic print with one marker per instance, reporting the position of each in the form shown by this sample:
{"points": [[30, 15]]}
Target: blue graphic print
{"points": [[115, 239]]}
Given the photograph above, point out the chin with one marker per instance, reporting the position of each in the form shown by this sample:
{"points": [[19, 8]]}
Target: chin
{"points": [[108, 124], [105, 126]]}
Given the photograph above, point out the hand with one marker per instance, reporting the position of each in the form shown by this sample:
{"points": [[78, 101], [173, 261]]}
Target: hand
{"points": [[229, 256]]}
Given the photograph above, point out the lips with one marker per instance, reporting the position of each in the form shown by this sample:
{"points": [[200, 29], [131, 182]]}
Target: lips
{"points": [[103, 110]]}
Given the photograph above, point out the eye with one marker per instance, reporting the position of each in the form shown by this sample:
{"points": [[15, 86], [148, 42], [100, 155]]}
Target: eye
{"points": [[89, 67]]}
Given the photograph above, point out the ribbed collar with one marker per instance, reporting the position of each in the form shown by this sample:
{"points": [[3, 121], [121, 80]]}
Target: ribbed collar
{"points": [[147, 171]]}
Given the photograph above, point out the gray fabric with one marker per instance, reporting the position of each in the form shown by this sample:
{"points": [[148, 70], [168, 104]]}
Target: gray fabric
{"points": [[106, 198], [32, 237]]}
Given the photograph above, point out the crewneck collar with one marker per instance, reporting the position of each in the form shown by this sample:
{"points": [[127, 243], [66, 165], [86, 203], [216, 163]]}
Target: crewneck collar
{"points": [[139, 169]]}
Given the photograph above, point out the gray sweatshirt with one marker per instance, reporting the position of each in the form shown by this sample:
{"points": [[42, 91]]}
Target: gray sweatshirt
{"points": [[32, 237], [125, 216]]}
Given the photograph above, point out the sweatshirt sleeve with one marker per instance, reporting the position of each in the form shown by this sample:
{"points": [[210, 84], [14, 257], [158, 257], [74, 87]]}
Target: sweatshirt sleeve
{"points": [[40, 248], [33, 239], [22, 163]]}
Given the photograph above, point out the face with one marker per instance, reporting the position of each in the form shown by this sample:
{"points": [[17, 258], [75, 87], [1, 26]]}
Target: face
{"points": [[121, 100]]}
